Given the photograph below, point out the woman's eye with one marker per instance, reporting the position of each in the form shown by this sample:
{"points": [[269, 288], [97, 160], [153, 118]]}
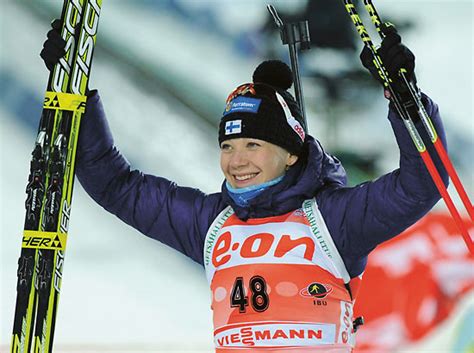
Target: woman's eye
{"points": [[225, 147], [253, 145]]}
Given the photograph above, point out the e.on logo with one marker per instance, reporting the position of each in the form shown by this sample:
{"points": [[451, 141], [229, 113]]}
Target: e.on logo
{"points": [[260, 245]]}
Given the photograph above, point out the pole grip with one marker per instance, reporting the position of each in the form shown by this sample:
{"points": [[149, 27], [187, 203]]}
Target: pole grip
{"points": [[291, 34]]}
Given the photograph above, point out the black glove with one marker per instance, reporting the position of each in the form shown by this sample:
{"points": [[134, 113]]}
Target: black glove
{"points": [[53, 47], [394, 56]]}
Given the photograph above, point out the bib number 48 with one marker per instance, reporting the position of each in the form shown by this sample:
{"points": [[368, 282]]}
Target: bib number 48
{"points": [[259, 297]]}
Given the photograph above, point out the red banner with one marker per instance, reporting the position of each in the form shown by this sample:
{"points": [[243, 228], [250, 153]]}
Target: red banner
{"points": [[412, 283]]}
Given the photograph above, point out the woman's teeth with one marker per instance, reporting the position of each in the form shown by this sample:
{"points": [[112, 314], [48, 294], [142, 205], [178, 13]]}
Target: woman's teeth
{"points": [[244, 177]]}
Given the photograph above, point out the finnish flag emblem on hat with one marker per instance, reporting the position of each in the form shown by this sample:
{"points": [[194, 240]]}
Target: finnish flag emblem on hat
{"points": [[233, 127]]}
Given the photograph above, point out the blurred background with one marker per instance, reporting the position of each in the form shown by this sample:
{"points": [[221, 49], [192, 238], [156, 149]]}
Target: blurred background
{"points": [[165, 67]]}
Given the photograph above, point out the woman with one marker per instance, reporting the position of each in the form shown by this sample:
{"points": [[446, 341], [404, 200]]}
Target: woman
{"points": [[285, 242]]}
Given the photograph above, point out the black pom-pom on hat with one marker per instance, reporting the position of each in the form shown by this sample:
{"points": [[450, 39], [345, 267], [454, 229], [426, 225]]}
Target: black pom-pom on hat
{"points": [[274, 73], [277, 74]]}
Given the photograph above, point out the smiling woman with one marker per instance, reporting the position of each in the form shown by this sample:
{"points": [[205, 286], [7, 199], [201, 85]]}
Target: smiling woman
{"points": [[251, 165], [247, 162], [259, 135], [285, 242]]}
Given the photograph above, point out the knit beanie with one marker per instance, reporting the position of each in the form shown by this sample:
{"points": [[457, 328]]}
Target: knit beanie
{"points": [[265, 110]]}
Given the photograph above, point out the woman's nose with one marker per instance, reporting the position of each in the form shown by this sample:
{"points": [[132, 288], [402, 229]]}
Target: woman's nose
{"points": [[238, 159]]}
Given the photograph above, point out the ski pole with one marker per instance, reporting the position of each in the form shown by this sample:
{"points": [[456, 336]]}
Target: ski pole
{"points": [[291, 34], [403, 109], [425, 118]]}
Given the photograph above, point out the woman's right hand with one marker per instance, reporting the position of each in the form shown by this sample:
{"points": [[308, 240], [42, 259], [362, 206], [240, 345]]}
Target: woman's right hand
{"points": [[54, 46]]}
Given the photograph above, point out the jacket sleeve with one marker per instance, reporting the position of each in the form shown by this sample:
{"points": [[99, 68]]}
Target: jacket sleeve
{"points": [[361, 217], [176, 216]]}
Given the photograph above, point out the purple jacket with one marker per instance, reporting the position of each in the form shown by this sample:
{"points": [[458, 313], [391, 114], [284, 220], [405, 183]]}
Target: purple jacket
{"points": [[358, 218]]}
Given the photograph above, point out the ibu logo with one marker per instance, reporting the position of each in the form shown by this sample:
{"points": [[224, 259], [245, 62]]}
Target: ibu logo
{"points": [[316, 290]]}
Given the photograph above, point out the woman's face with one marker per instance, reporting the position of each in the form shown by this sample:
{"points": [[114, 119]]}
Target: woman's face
{"points": [[249, 161]]}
